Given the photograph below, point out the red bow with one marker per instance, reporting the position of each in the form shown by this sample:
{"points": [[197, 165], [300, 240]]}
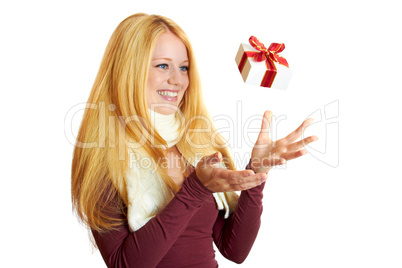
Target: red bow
{"points": [[270, 55]]}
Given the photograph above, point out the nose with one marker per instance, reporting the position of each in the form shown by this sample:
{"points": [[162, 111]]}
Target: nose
{"points": [[175, 77]]}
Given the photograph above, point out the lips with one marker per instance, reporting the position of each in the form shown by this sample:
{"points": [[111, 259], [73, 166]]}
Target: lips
{"points": [[168, 94]]}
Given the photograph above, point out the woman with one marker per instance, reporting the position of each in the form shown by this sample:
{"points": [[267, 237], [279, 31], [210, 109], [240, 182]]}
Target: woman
{"points": [[153, 189]]}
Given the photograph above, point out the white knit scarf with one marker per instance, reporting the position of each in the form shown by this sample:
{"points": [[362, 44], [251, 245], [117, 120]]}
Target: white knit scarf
{"points": [[147, 193]]}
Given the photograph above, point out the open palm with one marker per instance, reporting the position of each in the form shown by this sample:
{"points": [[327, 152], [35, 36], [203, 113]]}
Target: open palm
{"points": [[267, 153]]}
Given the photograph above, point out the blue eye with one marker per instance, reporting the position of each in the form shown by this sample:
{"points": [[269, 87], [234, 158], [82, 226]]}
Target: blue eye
{"points": [[163, 66], [184, 68]]}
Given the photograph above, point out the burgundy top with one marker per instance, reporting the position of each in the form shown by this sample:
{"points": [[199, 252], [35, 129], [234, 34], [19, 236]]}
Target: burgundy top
{"points": [[181, 235]]}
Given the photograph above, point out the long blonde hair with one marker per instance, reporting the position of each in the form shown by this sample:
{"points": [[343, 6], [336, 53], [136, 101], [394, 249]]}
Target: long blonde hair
{"points": [[117, 112]]}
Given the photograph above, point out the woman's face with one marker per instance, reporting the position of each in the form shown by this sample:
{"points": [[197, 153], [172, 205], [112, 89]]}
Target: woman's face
{"points": [[168, 74]]}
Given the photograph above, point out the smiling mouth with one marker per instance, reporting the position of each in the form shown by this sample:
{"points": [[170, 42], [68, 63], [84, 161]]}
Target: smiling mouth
{"points": [[167, 93]]}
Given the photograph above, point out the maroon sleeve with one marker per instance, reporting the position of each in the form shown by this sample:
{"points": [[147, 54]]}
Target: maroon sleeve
{"points": [[235, 236], [148, 245]]}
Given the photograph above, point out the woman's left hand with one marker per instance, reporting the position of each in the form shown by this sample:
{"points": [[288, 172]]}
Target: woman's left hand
{"points": [[267, 153]]}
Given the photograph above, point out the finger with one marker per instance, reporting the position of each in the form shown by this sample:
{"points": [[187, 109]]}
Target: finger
{"points": [[211, 159], [272, 159], [242, 177], [216, 158], [245, 183], [263, 136], [298, 132], [300, 144], [273, 162], [293, 155], [231, 176]]}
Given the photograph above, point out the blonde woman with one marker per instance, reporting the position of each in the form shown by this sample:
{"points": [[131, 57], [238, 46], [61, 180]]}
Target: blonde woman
{"points": [[153, 189]]}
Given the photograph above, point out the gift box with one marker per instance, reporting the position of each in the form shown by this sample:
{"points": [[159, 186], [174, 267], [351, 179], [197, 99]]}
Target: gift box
{"points": [[263, 66]]}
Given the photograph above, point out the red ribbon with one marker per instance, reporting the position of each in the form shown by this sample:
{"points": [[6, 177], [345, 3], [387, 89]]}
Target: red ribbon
{"points": [[270, 56]]}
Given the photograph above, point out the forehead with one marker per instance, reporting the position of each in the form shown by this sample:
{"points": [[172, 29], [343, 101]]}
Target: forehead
{"points": [[169, 45]]}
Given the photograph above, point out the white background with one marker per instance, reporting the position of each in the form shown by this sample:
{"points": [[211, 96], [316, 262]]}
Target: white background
{"points": [[338, 206]]}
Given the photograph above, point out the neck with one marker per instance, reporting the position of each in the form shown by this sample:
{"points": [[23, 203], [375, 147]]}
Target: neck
{"points": [[167, 126]]}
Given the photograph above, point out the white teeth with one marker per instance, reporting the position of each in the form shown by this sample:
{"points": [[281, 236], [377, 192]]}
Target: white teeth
{"points": [[167, 93]]}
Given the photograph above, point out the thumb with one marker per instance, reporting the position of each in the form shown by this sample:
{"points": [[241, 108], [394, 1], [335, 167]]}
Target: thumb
{"points": [[216, 157], [263, 136], [212, 159]]}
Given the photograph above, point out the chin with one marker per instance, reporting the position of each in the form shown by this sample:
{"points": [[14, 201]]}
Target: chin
{"points": [[166, 111]]}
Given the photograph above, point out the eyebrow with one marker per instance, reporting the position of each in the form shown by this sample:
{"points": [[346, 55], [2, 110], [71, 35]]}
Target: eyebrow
{"points": [[167, 59]]}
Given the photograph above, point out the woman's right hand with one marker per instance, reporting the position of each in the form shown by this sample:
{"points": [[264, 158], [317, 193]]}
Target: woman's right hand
{"points": [[219, 179]]}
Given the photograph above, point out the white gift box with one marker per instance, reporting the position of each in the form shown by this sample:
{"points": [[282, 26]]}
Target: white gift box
{"points": [[253, 72]]}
